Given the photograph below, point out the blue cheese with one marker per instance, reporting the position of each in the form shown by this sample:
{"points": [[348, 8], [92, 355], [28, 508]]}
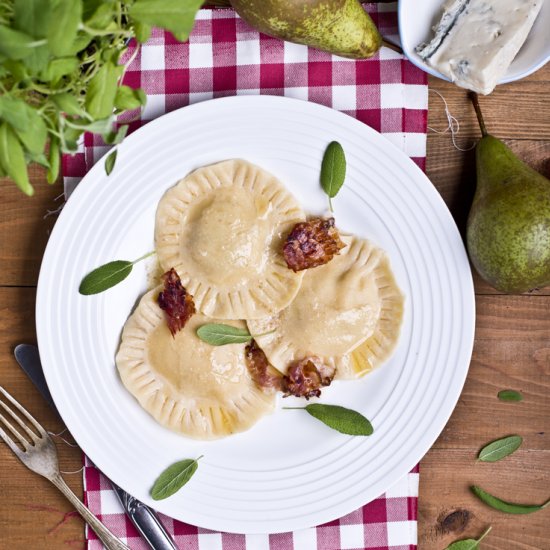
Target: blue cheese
{"points": [[476, 40]]}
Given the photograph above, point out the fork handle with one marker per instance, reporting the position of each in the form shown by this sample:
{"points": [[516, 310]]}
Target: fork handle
{"points": [[107, 538]]}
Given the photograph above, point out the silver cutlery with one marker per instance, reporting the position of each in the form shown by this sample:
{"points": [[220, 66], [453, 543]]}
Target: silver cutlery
{"points": [[36, 450], [144, 519]]}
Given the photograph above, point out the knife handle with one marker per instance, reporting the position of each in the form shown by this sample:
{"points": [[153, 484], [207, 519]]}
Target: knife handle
{"points": [[147, 524]]}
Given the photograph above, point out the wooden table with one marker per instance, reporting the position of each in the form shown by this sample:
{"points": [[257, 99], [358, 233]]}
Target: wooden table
{"points": [[512, 350]]}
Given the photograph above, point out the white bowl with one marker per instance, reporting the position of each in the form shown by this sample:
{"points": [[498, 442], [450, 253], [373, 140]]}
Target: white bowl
{"points": [[416, 20]]}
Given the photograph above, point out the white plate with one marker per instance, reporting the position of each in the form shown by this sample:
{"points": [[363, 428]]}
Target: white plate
{"points": [[289, 471], [416, 20]]}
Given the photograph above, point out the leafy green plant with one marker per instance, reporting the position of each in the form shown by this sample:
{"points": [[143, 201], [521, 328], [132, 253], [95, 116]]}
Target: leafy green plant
{"points": [[60, 74]]}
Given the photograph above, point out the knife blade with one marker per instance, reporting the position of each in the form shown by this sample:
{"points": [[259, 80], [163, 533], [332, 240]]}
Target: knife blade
{"points": [[144, 519]]}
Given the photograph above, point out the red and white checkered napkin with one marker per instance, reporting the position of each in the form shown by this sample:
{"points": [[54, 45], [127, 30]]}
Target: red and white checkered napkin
{"points": [[224, 56]]}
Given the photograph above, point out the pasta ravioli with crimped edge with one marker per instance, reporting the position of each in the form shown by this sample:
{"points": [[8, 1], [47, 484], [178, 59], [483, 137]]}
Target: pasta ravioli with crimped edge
{"points": [[347, 313], [188, 386], [222, 229]]}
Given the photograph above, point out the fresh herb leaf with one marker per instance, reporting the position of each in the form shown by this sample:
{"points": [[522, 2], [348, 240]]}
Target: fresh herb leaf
{"points": [[468, 544], [32, 16], [66, 17], [333, 170], [510, 395], [500, 448], [35, 135], [54, 159], [507, 507], [217, 334], [346, 421], [173, 15], [143, 31], [12, 159], [57, 68], [174, 478], [15, 44], [100, 97], [128, 98], [69, 104], [108, 275], [110, 162], [15, 112], [113, 138]]}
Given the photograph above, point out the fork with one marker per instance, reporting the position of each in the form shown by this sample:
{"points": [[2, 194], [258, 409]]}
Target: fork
{"points": [[40, 455]]}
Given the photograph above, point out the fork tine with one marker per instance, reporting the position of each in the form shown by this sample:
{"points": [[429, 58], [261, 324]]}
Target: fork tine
{"points": [[9, 442], [30, 433], [24, 442], [25, 413]]}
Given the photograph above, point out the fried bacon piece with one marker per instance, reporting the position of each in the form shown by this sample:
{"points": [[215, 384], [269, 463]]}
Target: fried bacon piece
{"points": [[311, 244], [176, 302], [304, 378], [264, 375]]}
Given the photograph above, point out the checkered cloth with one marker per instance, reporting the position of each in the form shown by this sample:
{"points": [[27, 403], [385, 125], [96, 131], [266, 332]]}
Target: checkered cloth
{"points": [[224, 56]]}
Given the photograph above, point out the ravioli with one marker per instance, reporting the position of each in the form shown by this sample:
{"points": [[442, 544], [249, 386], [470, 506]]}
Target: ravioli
{"points": [[222, 228], [339, 306], [201, 391]]}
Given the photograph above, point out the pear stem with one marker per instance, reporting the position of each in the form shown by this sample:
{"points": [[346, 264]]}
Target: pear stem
{"points": [[475, 101]]}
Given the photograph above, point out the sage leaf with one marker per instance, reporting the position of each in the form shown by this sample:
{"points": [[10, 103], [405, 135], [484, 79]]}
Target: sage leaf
{"points": [[507, 507], [173, 15], [217, 334], [113, 138], [54, 159], [468, 544], [12, 159], [333, 170], [108, 275], [510, 395], [100, 97], [66, 17], [338, 418], [105, 277], [15, 44], [110, 162], [500, 448], [128, 98], [174, 478]]}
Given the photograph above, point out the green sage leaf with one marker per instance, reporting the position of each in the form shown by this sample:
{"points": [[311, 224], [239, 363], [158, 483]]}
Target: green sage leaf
{"points": [[173, 15], [217, 334], [54, 158], [507, 507], [128, 98], [468, 544], [15, 44], [105, 277], [510, 395], [346, 421], [110, 162], [113, 138], [174, 478], [500, 448], [333, 169], [66, 17], [100, 97], [12, 159]]}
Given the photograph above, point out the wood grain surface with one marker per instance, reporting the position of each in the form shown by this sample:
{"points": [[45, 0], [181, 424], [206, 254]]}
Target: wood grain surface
{"points": [[512, 350]]}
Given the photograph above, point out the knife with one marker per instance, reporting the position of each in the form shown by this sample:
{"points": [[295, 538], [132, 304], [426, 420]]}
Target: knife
{"points": [[142, 516]]}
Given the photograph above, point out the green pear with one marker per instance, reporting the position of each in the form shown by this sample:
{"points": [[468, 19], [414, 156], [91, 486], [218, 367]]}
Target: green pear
{"points": [[508, 230], [341, 27]]}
